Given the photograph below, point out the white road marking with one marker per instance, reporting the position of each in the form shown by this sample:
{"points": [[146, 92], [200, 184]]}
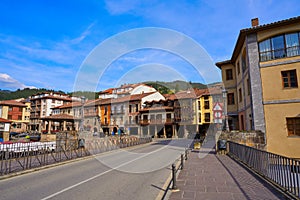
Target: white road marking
{"points": [[98, 175]]}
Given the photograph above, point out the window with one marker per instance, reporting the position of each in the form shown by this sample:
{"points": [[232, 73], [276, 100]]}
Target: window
{"points": [[240, 95], [9, 117], [19, 117], [244, 62], [265, 50], [229, 74], [10, 108], [199, 105], [292, 44], [238, 68], [280, 46], [130, 120], [207, 117], [105, 110], [136, 107], [129, 108], [230, 98], [206, 104], [248, 86], [20, 109], [289, 79], [293, 126]]}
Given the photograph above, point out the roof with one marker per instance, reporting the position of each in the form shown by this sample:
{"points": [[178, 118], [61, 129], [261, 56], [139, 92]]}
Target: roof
{"points": [[188, 94], [134, 97], [170, 96], [107, 91], [12, 103], [69, 105], [2, 120], [244, 32], [225, 62], [61, 117], [92, 102]]}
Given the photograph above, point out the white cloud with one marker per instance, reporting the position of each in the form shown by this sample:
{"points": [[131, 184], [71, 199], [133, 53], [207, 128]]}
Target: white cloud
{"points": [[7, 82]]}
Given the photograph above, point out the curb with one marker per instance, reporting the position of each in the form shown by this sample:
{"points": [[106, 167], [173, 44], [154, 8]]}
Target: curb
{"points": [[166, 187]]}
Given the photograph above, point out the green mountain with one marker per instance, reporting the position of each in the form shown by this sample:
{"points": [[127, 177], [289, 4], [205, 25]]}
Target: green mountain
{"points": [[174, 86], [25, 93]]}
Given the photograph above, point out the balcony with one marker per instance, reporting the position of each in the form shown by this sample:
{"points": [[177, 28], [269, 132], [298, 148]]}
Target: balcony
{"points": [[156, 121], [117, 112]]}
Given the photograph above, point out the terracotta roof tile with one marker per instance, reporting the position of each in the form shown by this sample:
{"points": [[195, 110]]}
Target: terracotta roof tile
{"points": [[12, 103], [2, 120], [69, 105]]}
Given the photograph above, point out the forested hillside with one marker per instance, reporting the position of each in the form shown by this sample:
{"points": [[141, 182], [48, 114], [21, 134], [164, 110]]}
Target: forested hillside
{"points": [[25, 93]]}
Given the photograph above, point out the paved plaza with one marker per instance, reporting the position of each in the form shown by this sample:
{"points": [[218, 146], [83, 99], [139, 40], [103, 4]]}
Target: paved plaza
{"points": [[220, 177]]}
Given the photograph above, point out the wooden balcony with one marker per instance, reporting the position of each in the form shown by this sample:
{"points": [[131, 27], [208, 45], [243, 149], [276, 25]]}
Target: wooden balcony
{"points": [[156, 121]]}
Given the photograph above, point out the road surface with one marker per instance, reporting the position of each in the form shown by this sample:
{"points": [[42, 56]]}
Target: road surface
{"points": [[136, 173]]}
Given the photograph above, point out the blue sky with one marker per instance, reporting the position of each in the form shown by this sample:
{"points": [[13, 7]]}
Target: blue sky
{"points": [[44, 44]]}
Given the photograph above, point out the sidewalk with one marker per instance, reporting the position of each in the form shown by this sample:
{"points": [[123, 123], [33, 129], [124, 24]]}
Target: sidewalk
{"points": [[220, 177]]}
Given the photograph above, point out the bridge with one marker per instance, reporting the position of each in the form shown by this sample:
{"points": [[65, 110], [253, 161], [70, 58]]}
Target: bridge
{"points": [[144, 172]]}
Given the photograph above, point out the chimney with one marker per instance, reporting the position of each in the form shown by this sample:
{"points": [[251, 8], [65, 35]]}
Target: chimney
{"points": [[254, 22]]}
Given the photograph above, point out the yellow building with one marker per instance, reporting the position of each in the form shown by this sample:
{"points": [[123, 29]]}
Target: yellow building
{"points": [[18, 112], [261, 80]]}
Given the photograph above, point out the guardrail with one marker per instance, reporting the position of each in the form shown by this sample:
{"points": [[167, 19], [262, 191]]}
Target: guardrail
{"points": [[174, 172], [17, 157], [281, 171]]}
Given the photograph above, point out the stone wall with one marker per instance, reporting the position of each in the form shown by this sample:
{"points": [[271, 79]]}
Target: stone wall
{"points": [[250, 138]]}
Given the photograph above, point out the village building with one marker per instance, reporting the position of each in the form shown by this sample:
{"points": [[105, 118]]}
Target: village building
{"points": [[262, 83]]}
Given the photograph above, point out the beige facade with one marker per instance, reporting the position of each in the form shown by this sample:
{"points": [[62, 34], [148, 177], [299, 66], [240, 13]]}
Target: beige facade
{"points": [[266, 75]]}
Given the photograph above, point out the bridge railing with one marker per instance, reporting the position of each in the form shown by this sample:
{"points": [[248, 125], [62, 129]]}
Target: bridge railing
{"points": [[17, 157], [280, 170]]}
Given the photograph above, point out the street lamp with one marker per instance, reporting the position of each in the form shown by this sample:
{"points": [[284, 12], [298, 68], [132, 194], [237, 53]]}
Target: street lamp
{"points": [[224, 92], [83, 98]]}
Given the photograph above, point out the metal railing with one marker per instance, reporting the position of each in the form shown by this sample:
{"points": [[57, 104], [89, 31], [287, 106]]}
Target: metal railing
{"points": [[23, 156], [175, 169], [282, 171]]}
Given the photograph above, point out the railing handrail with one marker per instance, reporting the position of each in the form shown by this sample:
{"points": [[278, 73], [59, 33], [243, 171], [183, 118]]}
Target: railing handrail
{"points": [[280, 170]]}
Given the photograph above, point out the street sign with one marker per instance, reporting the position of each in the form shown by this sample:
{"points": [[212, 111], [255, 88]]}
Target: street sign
{"points": [[217, 107], [218, 113]]}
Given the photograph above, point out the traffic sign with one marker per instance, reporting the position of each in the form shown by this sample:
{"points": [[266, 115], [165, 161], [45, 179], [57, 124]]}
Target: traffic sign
{"points": [[218, 107]]}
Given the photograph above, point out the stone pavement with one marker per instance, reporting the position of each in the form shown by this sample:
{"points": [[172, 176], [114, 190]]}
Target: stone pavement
{"points": [[220, 177]]}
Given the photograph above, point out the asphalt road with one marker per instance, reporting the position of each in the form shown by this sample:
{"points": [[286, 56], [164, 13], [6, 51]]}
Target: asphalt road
{"points": [[136, 173]]}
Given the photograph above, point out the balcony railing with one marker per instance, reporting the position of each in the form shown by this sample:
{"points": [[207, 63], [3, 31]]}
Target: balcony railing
{"points": [[279, 53], [156, 121], [117, 112], [283, 171]]}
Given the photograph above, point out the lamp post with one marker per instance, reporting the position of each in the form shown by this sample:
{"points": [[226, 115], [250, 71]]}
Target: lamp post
{"points": [[224, 92], [83, 98]]}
